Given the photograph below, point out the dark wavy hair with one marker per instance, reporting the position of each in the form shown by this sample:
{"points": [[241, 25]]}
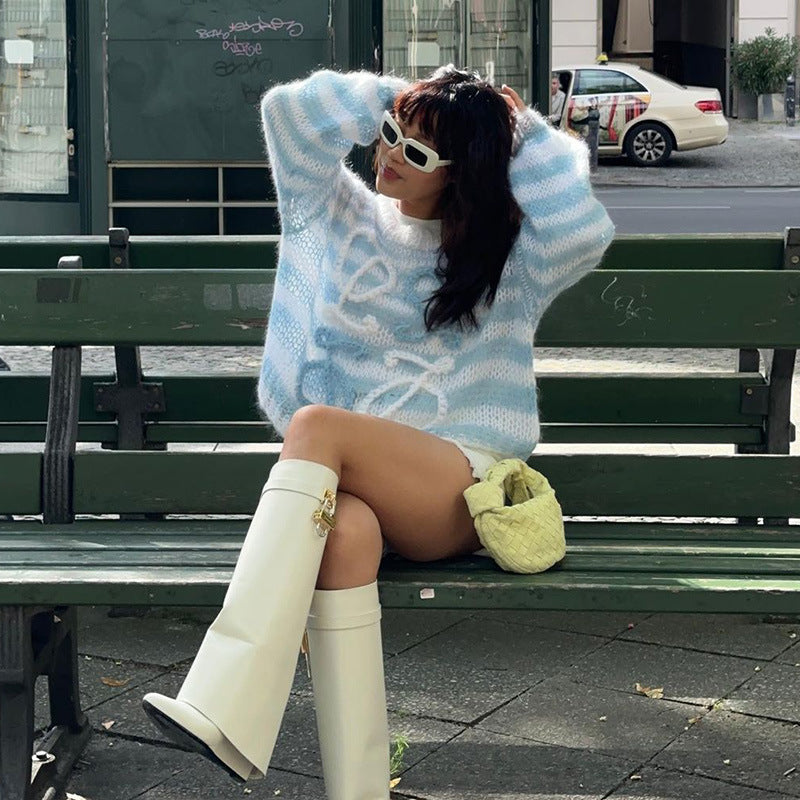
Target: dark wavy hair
{"points": [[469, 122]]}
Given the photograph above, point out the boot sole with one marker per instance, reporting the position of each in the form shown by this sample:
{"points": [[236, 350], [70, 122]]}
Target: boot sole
{"points": [[179, 735]]}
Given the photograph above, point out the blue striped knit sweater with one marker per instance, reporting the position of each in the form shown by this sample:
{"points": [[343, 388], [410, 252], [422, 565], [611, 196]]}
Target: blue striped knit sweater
{"points": [[346, 325]]}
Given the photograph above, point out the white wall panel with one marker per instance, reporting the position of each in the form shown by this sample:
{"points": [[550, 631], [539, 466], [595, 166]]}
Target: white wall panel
{"points": [[748, 28], [764, 9], [574, 10], [566, 55], [573, 34]]}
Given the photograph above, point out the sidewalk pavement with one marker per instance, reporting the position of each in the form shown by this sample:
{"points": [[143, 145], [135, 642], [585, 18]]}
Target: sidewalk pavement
{"points": [[755, 154], [494, 706]]}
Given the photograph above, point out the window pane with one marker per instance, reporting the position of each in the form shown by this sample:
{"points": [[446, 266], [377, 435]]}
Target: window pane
{"points": [[500, 42], [632, 85], [600, 81], [491, 36], [33, 97], [420, 35]]}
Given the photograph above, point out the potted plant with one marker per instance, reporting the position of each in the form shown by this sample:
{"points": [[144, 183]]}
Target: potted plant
{"points": [[761, 65]]}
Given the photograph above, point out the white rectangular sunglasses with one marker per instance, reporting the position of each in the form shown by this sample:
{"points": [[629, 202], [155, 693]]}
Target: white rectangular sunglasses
{"points": [[418, 155]]}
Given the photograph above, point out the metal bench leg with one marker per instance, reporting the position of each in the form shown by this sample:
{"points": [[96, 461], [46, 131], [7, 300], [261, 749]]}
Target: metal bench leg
{"points": [[16, 702], [61, 747], [34, 641], [65, 704]]}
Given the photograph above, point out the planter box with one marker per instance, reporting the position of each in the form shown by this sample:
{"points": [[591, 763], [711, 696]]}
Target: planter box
{"points": [[747, 106], [770, 107]]}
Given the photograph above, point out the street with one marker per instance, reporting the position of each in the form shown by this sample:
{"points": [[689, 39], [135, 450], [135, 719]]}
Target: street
{"points": [[646, 209]]}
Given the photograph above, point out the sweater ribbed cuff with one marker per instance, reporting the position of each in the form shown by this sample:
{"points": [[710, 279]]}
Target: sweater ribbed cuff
{"points": [[525, 122]]}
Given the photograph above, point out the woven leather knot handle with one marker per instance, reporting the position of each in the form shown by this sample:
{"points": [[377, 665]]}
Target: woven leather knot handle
{"points": [[517, 517]]}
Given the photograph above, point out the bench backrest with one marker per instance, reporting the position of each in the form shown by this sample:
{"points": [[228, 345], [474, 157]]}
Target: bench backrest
{"points": [[680, 299]]}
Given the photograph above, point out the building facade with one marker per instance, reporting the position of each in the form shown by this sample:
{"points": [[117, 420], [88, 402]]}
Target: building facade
{"points": [[685, 40], [143, 114]]}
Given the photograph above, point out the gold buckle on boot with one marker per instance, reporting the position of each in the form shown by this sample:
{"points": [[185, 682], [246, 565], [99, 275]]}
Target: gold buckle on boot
{"points": [[325, 516]]}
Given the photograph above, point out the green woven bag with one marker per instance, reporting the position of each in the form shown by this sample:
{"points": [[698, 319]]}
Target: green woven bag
{"points": [[517, 517]]}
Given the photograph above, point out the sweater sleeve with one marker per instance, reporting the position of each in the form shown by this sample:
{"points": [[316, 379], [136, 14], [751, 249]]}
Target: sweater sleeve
{"points": [[309, 128], [565, 229]]}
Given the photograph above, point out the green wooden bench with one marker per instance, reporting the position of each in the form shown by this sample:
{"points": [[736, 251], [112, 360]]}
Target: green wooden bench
{"points": [[128, 525]]}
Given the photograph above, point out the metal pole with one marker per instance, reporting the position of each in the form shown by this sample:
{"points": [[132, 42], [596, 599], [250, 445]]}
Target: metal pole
{"points": [[540, 61], [790, 100], [593, 131]]}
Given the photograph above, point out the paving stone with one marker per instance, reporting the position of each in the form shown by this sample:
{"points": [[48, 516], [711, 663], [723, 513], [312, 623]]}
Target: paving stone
{"points": [[147, 772], [558, 711], [593, 623], [792, 655], [149, 639], [297, 748], [472, 668], [662, 784], [93, 690], [759, 751], [402, 628], [480, 765], [116, 769], [730, 634], [685, 675], [207, 783], [772, 692], [126, 707]]}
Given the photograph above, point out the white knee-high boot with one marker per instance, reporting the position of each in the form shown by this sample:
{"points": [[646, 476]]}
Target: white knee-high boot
{"points": [[233, 699], [344, 643]]}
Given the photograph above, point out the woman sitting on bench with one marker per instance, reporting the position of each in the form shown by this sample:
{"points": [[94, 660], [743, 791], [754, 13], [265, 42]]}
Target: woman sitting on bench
{"points": [[398, 366]]}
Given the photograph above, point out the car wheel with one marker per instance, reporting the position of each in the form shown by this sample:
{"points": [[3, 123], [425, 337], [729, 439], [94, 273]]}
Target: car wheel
{"points": [[649, 145]]}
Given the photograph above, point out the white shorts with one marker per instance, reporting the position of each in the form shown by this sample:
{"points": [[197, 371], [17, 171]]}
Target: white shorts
{"points": [[480, 460]]}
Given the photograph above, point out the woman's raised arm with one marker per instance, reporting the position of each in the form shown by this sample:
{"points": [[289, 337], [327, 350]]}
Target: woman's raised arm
{"points": [[565, 229], [311, 125]]}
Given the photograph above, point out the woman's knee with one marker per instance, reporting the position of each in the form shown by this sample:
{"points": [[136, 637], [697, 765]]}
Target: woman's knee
{"points": [[354, 547], [313, 434]]}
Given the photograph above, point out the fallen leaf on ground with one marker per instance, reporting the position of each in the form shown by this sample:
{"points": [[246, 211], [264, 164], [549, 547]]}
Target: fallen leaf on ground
{"points": [[113, 682], [655, 694], [394, 782], [108, 724]]}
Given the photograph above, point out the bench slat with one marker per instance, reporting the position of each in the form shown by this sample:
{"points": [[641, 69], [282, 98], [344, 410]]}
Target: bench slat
{"points": [[197, 533], [20, 483], [154, 252], [627, 251], [695, 251], [196, 307], [688, 560], [593, 485], [255, 432], [695, 399], [640, 434], [466, 583]]}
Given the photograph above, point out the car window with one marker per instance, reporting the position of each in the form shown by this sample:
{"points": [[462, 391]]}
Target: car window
{"points": [[605, 81]]}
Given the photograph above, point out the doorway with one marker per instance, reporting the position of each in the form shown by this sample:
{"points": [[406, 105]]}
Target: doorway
{"points": [[686, 41]]}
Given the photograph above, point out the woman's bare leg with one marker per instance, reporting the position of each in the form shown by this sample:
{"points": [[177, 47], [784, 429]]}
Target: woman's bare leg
{"points": [[395, 481]]}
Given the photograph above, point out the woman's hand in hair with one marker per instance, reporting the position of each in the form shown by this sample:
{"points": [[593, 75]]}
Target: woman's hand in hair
{"points": [[513, 100]]}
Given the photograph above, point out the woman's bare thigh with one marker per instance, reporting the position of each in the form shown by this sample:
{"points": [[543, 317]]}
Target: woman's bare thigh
{"points": [[413, 481]]}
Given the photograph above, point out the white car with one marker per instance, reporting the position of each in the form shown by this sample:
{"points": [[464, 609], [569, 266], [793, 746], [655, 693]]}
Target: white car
{"points": [[643, 115]]}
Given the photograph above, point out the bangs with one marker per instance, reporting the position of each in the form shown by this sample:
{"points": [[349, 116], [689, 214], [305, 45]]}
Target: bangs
{"points": [[428, 106]]}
